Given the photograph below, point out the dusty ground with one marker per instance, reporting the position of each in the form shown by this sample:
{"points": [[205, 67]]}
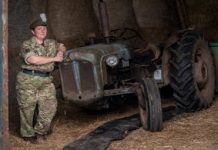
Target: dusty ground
{"points": [[194, 131]]}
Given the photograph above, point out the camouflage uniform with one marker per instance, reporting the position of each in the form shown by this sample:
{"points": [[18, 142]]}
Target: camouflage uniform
{"points": [[32, 89]]}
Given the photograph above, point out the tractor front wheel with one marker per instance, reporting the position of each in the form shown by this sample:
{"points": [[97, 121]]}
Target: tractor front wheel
{"points": [[150, 109]]}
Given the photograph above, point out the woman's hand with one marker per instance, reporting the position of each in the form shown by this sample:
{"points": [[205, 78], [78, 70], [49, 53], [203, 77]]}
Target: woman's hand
{"points": [[61, 47], [59, 56]]}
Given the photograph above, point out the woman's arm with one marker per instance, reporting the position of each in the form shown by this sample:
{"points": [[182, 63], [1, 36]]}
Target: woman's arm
{"points": [[40, 60]]}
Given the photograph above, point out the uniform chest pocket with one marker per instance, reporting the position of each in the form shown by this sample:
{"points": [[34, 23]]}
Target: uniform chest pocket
{"points": [[40, 51], [50, 51]]}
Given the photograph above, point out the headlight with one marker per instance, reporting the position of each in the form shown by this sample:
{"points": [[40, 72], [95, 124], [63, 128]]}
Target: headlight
{"points": [[112, 61]]}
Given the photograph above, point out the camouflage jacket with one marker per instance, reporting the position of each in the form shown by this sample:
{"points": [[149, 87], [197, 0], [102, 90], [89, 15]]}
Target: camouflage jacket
{"points": [[31, 47]]}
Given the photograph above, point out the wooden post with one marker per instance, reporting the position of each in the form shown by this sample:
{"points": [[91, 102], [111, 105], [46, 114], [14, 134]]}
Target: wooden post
{"points": [[4, 132]]}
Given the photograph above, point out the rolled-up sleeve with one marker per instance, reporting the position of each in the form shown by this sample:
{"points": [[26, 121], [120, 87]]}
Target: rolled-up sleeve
{"points": [[27, 51]]}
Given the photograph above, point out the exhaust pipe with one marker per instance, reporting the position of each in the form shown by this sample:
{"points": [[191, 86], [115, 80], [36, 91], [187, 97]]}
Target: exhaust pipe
{"points": [[104, 20]]}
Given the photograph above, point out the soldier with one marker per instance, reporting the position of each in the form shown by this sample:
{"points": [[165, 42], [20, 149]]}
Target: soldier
{"points": [[34, 84]]}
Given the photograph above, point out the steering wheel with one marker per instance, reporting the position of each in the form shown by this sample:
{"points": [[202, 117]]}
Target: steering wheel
{"points": [[124, 34]]}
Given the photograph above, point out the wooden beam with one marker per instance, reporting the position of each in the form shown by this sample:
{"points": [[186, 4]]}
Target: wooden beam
{"points": [[4, 132]]}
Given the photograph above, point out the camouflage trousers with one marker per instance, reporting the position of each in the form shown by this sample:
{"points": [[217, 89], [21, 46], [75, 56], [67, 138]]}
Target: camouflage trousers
{"points": [[32, 91]]}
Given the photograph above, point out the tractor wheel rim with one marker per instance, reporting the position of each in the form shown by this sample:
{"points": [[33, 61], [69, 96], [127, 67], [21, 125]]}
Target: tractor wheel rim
{"points": [[201, 70]]}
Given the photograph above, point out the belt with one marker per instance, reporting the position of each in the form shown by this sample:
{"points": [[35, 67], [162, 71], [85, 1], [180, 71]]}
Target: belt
{"points": [[36, 73]]}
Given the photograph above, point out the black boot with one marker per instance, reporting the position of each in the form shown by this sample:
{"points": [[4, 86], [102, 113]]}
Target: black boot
{"points": [[45, 136], [32, 139]]}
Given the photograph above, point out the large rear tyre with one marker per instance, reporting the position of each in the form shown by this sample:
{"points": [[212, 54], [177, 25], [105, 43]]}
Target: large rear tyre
{"points": [[150, 106], [191, 72]]}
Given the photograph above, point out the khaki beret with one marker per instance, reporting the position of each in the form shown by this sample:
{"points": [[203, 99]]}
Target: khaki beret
{"points": [[38, 21]]}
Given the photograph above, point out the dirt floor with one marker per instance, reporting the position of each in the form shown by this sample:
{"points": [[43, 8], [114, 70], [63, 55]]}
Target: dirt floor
{"points": [[193, 131]]}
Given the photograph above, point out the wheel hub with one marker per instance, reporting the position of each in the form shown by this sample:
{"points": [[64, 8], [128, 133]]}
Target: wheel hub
{"points": [[200, 70]]}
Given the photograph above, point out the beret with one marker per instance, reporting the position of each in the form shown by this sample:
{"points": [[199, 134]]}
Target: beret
{"points": [[38, 21]]}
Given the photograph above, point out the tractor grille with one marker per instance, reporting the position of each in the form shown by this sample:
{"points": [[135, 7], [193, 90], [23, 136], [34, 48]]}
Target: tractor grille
{"points": [[86, 75], [67, 79], [78, 79]]}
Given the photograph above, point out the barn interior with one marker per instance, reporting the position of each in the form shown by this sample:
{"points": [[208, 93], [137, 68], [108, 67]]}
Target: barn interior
{"points": [[72, 22]]}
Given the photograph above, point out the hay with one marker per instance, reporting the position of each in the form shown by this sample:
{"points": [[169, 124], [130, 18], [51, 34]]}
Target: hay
{"points": [[187, 131]]}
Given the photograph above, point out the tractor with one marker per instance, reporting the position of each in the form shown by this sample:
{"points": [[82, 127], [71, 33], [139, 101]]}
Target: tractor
{"points": [[108, 69]]}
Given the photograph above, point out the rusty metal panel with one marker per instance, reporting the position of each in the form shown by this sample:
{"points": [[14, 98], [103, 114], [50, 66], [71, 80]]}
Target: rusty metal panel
{"points": [[78, 81], [4, 135]]}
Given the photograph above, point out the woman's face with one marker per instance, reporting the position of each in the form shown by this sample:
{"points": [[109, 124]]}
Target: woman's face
{"points": [[40, 32]]}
